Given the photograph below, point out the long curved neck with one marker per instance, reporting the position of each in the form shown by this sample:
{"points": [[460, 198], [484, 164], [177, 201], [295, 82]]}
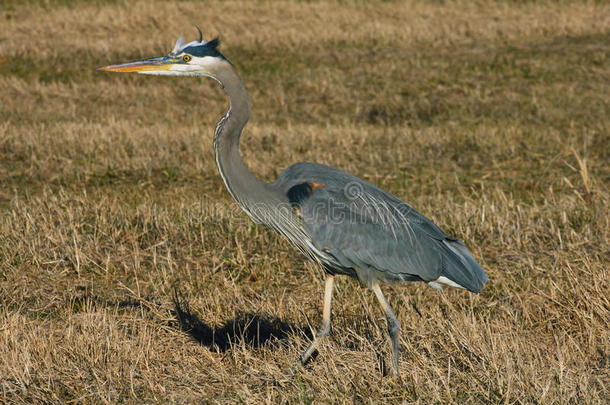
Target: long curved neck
{"points": [[263, 202], [244, 187]]}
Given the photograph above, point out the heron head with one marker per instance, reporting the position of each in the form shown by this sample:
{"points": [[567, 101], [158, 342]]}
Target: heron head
{"points": [[195, 58]]}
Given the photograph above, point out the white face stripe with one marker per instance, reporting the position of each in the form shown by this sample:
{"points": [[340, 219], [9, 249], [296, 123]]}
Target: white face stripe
{"points": [[205, 61], [198, 66]]}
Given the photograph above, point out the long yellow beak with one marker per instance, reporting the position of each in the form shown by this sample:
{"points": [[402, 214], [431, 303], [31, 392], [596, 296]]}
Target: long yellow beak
{"points": [[145, 65]]}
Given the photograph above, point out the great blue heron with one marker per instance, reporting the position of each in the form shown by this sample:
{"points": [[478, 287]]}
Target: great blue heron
{"points": [[343, 223]]}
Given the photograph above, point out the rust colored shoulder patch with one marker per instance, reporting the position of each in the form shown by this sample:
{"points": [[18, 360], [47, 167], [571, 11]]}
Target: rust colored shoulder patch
{"points": [[315, 186]]}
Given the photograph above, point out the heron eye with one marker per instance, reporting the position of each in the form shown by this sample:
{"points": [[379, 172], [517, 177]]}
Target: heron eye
{"points": [[187, 58]]}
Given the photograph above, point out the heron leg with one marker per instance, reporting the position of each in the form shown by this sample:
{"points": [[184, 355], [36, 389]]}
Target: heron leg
{"points": [[393, 325], [325, 328]]}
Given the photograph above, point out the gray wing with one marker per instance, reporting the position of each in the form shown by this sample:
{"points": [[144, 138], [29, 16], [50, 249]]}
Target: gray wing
{"points": [[357, 225]]}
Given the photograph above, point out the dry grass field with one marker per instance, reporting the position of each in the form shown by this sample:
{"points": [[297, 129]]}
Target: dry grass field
{"points": [[128, 275]]}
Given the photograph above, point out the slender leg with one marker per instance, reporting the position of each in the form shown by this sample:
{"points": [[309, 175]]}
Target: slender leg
{"points": [[393, 325], [325, 328]]}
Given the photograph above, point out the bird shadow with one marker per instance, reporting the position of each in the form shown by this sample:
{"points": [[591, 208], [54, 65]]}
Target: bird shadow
{"points": [[251, 329]]}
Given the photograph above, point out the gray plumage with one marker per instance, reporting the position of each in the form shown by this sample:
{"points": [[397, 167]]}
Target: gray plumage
{"points": [[345, 224], [369, 233]]}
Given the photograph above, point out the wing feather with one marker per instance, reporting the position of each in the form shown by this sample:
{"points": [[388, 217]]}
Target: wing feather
{"points": [[370, 236], [362, 227]]}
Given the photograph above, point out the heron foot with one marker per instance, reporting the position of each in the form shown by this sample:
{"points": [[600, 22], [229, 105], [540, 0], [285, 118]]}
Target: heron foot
{"points": [[325, 328], [313, 346]]}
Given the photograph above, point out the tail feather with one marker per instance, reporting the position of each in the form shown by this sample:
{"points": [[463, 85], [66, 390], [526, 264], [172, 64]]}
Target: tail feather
{"points": [[462, 268]]}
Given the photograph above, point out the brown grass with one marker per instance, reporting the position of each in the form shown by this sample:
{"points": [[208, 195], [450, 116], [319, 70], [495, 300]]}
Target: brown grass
{"points": [[128, 275]]}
